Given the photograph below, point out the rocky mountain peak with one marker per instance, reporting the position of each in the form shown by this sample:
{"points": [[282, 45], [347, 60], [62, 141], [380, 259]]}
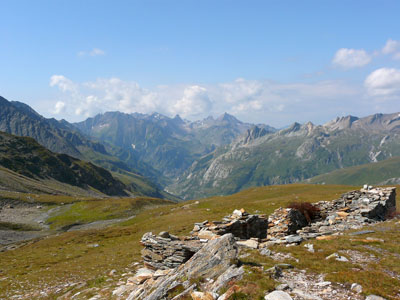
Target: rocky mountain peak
{"points": [[253, 133], [341, 123], [227, 118]]}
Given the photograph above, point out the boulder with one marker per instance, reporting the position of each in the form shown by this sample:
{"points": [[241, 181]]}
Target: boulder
{"points": [[164, 253], [240, 223], [213, 259], [278, 295]]}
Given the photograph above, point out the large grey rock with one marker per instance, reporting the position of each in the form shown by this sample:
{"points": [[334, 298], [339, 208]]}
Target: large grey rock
{"points": [[232, 272], [278, 295], [166, 251], [213, 259], [240, 223]]}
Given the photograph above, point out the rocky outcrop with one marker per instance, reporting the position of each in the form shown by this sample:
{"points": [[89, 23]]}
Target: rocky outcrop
{"points": [[206, 263], [241, 224], [285, 221], [213, 264], [213, 259], [352, 211], [166, 251]]}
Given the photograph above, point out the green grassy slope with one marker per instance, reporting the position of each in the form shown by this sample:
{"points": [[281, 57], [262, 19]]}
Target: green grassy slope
{"points": [[386, 171], [23, 155]]}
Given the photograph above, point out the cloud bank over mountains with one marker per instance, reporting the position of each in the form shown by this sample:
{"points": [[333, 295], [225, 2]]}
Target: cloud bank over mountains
{"points": [[258, 101], [250, 100]]}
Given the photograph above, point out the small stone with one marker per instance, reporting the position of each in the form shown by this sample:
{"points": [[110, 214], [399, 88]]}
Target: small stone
{"points": [[323, 283], [374, 297], [237, 213], [141, 275], [196, 228], [310, 247], [266, 252], [112, 273], [293, 239], [282, 287], [355, 287], [160, 273], [326, 237], [206, 234], [164, 234], [202, 296], [337, 257], [278, 295], [248, 244]]}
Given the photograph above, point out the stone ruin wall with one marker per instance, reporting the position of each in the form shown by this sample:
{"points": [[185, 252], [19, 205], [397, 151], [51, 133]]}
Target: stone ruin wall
{"points": [[286, 225]]}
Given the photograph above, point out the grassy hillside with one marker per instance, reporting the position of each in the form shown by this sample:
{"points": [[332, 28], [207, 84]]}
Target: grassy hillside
{"points": [[23, 155], [70, 262], [386, 171]]}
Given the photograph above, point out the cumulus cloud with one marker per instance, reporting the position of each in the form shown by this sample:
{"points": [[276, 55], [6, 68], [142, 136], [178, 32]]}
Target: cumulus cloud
{"points": [[63, 83], [383, 82], [59, 107], [257, 101], [392, 47], [93, 52], [194, 102], [351, 58]]}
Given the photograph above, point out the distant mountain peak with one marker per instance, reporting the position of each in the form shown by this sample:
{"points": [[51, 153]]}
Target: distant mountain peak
{"points": [[254, 133], [178, 119], [341, 123], [227, 118]]}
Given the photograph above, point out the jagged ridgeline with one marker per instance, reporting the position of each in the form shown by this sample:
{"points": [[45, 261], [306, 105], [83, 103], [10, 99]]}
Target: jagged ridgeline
{"points": [[62, 137], [169, 145], [294, 154], [215, 156]]}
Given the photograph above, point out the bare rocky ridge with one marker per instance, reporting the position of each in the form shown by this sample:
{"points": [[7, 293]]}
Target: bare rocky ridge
{"points": [[174, 266]]}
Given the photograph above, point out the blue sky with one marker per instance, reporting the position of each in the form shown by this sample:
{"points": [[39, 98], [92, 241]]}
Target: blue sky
{"points": [[273, 62]]}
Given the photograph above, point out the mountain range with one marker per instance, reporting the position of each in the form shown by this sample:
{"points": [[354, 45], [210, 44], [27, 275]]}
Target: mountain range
{"points": [[62, 137], [160, 156], [292, 154]]}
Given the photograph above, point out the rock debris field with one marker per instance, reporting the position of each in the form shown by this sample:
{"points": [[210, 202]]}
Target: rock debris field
{"points": [[206, 264]]}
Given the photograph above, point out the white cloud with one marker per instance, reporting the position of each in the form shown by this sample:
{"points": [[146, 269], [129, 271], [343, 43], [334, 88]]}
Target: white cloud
{"points": [[351, 58], [93, 52], [250, 100], [59, 107], [383, 82], [195, 102], [63, 83], [97, 52], [392, 47]]}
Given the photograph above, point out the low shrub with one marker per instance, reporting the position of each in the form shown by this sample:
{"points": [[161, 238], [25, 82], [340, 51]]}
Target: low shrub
{"points": [[309, 210]]}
